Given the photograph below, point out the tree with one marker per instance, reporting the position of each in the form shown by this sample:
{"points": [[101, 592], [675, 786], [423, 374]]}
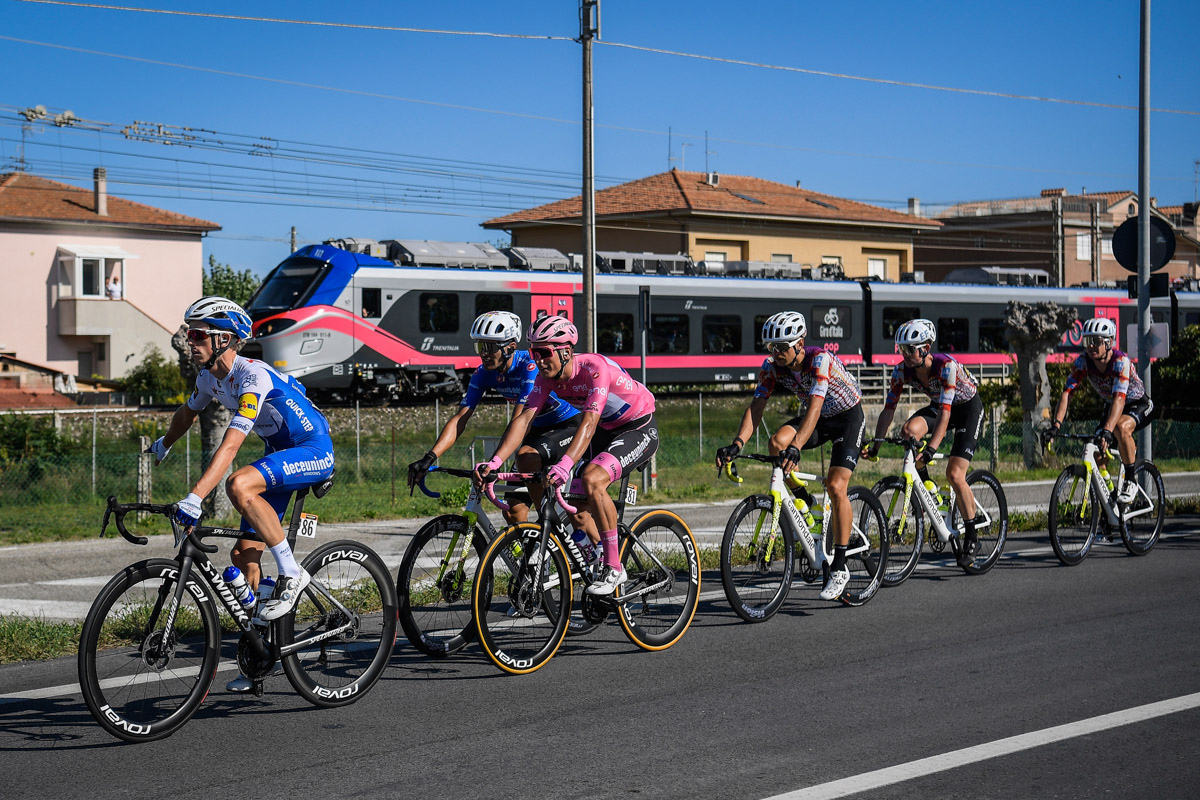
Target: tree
{"points": [[1176, 382], [214, 420], [225, 281], [1033, 331], [155, 376]]}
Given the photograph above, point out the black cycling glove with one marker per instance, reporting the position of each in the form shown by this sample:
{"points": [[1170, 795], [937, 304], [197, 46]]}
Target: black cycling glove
{"points": [[419, 467]]}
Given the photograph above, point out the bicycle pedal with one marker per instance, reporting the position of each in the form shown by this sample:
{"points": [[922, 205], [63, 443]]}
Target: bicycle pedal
{"points": [[258, 688]]}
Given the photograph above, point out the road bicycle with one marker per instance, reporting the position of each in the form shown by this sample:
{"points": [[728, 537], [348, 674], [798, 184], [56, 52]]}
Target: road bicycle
{"points": [[150, 646], [1084, 505], [908, 501], [434, 580], [522, 596], [759, 554]]}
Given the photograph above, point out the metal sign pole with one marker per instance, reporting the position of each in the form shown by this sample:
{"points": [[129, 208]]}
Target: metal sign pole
{"points": [[1144, 213]]}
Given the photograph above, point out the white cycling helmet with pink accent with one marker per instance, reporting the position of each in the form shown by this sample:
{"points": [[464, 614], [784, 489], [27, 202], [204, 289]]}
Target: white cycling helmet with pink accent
{"points": [[554, 331]]}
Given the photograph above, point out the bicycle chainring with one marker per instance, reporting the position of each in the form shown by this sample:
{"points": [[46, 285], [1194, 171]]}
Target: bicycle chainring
{"points": [[595, 609], [250, 665], [936, 544], [805, 569]]}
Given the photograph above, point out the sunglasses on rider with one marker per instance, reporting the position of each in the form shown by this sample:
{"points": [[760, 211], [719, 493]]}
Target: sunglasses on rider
{"points": [[1094, 341], [488, 348], [780, 347], [543, 353], [911, 349], [198, 335]]}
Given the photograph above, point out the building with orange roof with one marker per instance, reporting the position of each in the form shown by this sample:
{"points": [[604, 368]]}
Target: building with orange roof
{"points": [[92, 280], [713, 217]]}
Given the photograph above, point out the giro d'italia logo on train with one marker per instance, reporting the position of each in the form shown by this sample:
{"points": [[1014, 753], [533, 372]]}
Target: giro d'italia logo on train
{"points": [[831, 327]]}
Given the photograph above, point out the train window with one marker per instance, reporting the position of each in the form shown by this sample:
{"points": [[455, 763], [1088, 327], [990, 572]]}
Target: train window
{"points": [[953, 334], [895, 316], [438, 312], [492, 302], [1192, 319], [372, 307], [759, 319], [669, 333], [991, 336], [615, 332], [722, 333]]}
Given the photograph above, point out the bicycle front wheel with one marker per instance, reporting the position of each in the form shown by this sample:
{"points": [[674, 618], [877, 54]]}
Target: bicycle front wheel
{"points": [[433, 585], [756, 567], [1142, 520], [992, 529], [522, 605], [1073, 517], [905, 529], [140, 681], [663, 590], [344, 625], [867, 551]]}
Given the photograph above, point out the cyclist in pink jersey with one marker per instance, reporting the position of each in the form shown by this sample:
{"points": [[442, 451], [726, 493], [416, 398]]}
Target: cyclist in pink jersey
{"points": [[616, 433], [955, 406], [834, 415], [1111, 374]]}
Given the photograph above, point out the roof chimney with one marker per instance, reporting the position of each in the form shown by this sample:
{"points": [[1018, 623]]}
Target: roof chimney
{"points": [[100, 177], [797, 183], [1054, 192], [914, 206], [712, 179]]}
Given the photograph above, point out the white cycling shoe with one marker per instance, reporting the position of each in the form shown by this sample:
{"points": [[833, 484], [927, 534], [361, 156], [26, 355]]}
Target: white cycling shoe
{"points": [[287, 594], [610, 579], [837, 584]]}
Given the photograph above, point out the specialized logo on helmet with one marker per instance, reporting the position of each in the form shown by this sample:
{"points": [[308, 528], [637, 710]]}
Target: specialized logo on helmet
{"points": [[248, 405]]}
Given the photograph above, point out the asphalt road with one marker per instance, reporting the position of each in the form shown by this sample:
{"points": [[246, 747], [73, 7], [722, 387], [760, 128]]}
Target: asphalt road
{"points": [[1035, 680]]}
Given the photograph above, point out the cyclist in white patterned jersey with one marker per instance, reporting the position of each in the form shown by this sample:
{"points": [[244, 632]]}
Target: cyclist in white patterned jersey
{"points": [[299, 451], [834, 415]]}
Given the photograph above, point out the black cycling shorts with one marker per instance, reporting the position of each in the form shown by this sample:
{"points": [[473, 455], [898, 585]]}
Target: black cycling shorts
{"points": [[1142, 410], [550, 444], [622, 450], [844, 430], [966, 422]]}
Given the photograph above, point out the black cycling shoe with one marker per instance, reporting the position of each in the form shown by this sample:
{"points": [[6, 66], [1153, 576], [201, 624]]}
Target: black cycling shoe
{"points": [[969, 549]]}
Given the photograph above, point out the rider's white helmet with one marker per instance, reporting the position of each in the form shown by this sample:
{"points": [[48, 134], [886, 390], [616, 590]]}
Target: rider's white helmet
{"points": [[496, 326], [1101, 328], [916, 331], [786, 327]]}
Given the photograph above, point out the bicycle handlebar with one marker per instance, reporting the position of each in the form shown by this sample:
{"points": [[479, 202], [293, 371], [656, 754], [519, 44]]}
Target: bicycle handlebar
{"points": [[730, 470], [907, 442], [457, 473], [119, 510], [489, 489]]}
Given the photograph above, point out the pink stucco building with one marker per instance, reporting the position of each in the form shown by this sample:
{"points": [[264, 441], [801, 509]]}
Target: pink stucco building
{"points": [[61, 247]]}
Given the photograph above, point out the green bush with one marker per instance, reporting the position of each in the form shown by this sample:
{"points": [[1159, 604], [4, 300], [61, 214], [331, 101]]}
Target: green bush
{"points": [[155, 375]]}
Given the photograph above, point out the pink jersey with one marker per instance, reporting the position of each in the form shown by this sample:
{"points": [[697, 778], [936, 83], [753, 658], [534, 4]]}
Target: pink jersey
{"points": [[599, 386]]}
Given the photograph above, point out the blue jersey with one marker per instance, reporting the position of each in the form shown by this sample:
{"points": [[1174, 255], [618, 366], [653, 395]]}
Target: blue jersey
{"points": [[263, 401], [514, 386]]}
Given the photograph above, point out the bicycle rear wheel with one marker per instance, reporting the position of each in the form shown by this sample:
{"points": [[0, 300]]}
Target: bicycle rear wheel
{"points": [[140, 683], [904, 543], [756, 570], [992, 531], [433, 585], [351, 592], [520, 624], [1142, 520], [1073, 516], [867, 551], [662, 560]]}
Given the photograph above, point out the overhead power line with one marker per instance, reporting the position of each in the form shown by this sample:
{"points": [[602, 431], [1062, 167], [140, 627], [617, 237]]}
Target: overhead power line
{"points": [[642, 48]]}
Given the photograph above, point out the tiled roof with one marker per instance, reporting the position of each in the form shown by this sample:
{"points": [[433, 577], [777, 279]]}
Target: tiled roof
{"points": [[27, 197], [1016, 205], [734, 195], [33, 398]]}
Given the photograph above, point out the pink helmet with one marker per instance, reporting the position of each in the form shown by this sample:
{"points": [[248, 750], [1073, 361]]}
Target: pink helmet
{"points": [[553, 330]]}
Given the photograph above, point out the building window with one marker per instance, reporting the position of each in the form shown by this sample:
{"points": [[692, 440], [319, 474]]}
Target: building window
{"points": [[372, 305], [877, 268], [952, 334], [1083, 247], [722, 333], [831, 260], [615, 333], [717, 256], [895, 316], [438, 312], [91, 285], [991, 336], [492, 302], [669, 333], [781, 258]]}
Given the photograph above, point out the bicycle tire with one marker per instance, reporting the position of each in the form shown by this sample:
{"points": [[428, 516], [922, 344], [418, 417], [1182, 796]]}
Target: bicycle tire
{"points": [[338, 671], [867, 551], [135, 692], [989, 495], [435, 613], [519, 631], [756, 585], [659, 551], [1073, 516], [1147, 506], [904, 546]]}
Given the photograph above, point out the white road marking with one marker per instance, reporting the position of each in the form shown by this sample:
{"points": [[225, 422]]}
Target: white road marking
{"points": [[982, 752]]}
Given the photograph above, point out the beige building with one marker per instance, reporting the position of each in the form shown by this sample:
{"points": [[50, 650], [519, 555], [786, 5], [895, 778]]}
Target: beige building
{"points": [[727, 218], [91, 280]]}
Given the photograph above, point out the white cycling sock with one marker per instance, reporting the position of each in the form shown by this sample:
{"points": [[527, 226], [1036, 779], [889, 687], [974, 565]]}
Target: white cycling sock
{"points": [[285, 560]]}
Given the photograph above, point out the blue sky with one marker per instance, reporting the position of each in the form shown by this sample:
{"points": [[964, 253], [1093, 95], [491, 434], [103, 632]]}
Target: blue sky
{"points": [[449, 130]]}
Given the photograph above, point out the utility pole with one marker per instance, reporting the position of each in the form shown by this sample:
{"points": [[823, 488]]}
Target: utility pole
{"points": [[589, 28], [293, 240], [1094, 232], [1060, 272], [1144, 212]]}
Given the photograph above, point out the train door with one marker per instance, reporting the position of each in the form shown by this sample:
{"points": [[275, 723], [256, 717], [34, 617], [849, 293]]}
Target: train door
{"points": [[544, 305], [1110, 312]]}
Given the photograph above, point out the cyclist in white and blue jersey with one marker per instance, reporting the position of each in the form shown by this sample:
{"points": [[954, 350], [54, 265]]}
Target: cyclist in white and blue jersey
{"points": [[510, 373], [299, 451]]}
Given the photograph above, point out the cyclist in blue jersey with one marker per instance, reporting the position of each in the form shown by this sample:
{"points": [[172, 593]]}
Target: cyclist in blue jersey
{"points": [[509, 372], [299, 451]]}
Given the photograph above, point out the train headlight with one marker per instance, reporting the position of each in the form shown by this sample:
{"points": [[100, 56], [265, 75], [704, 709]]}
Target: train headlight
{"points": [[273, 326]]}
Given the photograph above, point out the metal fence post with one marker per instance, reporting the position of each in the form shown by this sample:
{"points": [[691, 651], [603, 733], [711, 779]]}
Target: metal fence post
{"points": [[701, 407], [994, 414], [357, 445], [144, 472], [93, 451], [187, 444], [393, 465]]}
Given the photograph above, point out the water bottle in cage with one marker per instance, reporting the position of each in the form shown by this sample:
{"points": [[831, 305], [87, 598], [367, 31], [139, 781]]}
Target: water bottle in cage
{"points": [[237, 583], [590, 551]]}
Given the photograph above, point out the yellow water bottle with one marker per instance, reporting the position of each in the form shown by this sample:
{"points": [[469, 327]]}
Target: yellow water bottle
{"points": [[1107, 479], [805, 512], [932, 488]]}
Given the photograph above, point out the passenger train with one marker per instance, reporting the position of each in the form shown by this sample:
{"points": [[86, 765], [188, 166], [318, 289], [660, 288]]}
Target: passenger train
{"points": [[390, 320]]}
